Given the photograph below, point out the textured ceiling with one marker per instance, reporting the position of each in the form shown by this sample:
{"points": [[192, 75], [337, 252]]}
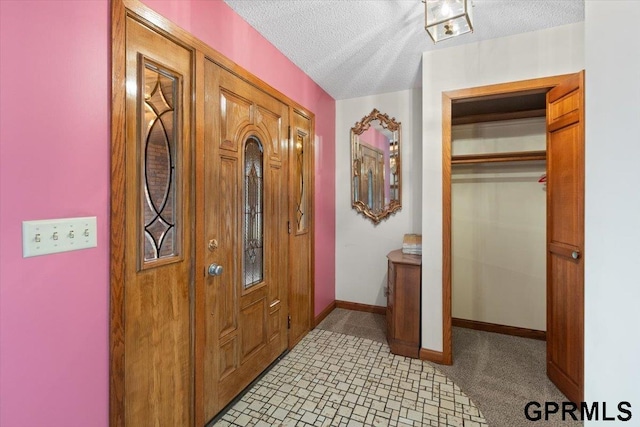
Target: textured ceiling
{"points": [[354, 48]]}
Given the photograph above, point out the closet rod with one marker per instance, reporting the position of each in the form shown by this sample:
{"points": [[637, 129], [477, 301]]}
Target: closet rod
{"points": [[514, 156]]}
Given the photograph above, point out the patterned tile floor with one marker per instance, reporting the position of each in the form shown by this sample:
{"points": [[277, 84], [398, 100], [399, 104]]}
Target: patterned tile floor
{"points": [[331, 379]]}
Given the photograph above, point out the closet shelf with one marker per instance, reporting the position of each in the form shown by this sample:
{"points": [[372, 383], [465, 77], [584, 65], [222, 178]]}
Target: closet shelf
{"points": [[498, 116], [514, 156]]}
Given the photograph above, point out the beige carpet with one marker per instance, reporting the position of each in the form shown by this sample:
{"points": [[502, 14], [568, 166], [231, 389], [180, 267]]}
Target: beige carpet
{"points": [[499, 373], [356, 323]]}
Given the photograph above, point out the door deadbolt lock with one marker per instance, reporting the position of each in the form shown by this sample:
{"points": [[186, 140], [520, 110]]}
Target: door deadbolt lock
{"points": [[214, 270]]}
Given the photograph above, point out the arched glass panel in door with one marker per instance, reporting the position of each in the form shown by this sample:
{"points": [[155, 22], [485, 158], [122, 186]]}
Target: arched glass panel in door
{"points": [[253, 224]]}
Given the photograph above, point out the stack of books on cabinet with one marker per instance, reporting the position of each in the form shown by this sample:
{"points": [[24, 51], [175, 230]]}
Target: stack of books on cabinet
{"points": [[412, 244]]}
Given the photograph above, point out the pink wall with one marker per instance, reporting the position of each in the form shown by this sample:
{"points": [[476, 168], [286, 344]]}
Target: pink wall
{"points": [[220, 27], [54, 162]]}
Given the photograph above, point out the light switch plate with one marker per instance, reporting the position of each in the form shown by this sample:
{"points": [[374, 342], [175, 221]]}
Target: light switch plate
{"points": [[50, 236]]}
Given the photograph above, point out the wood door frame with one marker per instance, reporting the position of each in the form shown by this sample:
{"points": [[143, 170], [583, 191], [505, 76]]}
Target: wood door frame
{"points": [[448, 97], [117, 216], [120, 10]]}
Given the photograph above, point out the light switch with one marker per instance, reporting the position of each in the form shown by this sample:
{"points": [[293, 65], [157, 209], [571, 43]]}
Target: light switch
{"points": [[50, 236]]}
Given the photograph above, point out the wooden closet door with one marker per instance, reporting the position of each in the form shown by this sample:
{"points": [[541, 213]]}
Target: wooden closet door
{"points": [[565, 236], [245, 231]]}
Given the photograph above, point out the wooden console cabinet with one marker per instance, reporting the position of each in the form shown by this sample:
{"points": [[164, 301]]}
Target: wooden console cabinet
{"points": [[403, 303]]}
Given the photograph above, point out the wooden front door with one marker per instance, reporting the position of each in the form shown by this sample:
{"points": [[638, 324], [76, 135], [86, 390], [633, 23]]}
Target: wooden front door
{"points": [[565, 236], [245, 232], [201, 160]]}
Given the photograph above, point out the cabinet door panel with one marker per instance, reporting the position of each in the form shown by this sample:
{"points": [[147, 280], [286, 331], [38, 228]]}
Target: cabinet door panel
{"points": [[403, 304]]}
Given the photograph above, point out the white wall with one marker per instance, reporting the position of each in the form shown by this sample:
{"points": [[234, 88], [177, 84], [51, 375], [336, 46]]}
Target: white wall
{"points": [[361, 247], [553, 51], [612, 236], [498, 227]]}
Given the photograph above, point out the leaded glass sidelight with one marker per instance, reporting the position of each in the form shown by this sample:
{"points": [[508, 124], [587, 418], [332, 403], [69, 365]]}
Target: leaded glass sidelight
{"points": [[253, 236], [159, 140], [301, 193]]}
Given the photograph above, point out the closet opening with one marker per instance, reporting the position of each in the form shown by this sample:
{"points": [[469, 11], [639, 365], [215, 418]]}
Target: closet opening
{"points": [[498, 213], [513, 217]]}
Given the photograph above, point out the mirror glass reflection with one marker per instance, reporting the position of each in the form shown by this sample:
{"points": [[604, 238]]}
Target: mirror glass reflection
{"points": [[375, 166]]}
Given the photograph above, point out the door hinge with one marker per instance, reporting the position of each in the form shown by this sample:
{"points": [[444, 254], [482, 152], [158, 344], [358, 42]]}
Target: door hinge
{"points": [[289, 133], [289, 227], [289, 321]]}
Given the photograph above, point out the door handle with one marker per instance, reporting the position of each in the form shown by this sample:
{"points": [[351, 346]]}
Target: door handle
{"points": [[214, 270], [575, 254]]}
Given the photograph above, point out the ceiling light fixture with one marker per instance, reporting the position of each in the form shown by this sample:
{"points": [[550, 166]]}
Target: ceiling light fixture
{"points": [[447, 18]]}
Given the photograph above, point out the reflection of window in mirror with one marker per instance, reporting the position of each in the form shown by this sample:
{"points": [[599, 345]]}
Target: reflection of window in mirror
{"points": [[375, 166]]}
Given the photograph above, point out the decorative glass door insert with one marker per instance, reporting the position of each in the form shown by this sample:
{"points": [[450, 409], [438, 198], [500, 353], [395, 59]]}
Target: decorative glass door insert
{"points": [[253, 237], [159, 152]]}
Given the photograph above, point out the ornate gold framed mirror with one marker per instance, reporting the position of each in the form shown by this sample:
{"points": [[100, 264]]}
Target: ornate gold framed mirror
{"points": [[376, 189]]}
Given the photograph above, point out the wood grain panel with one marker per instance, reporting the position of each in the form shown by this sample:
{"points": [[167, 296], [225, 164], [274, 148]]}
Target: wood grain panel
{"points": [[210, 346], [228, 357], [356, 306], [566, 321], [200, 248], [157, 356], [407, 328], [228, 212], [390, 311], [447, 99], [433, 356], [500, 329], [254, 332], [271, 125], [210, 393], [271, 115], [404, 303], [509, 89], [117, 348], [565, 235], [566, 192], [259, 310], [565, 85], [563, 106], [275, 322], [300, 218], [157, 301], [235, 114], [275, 216]]}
